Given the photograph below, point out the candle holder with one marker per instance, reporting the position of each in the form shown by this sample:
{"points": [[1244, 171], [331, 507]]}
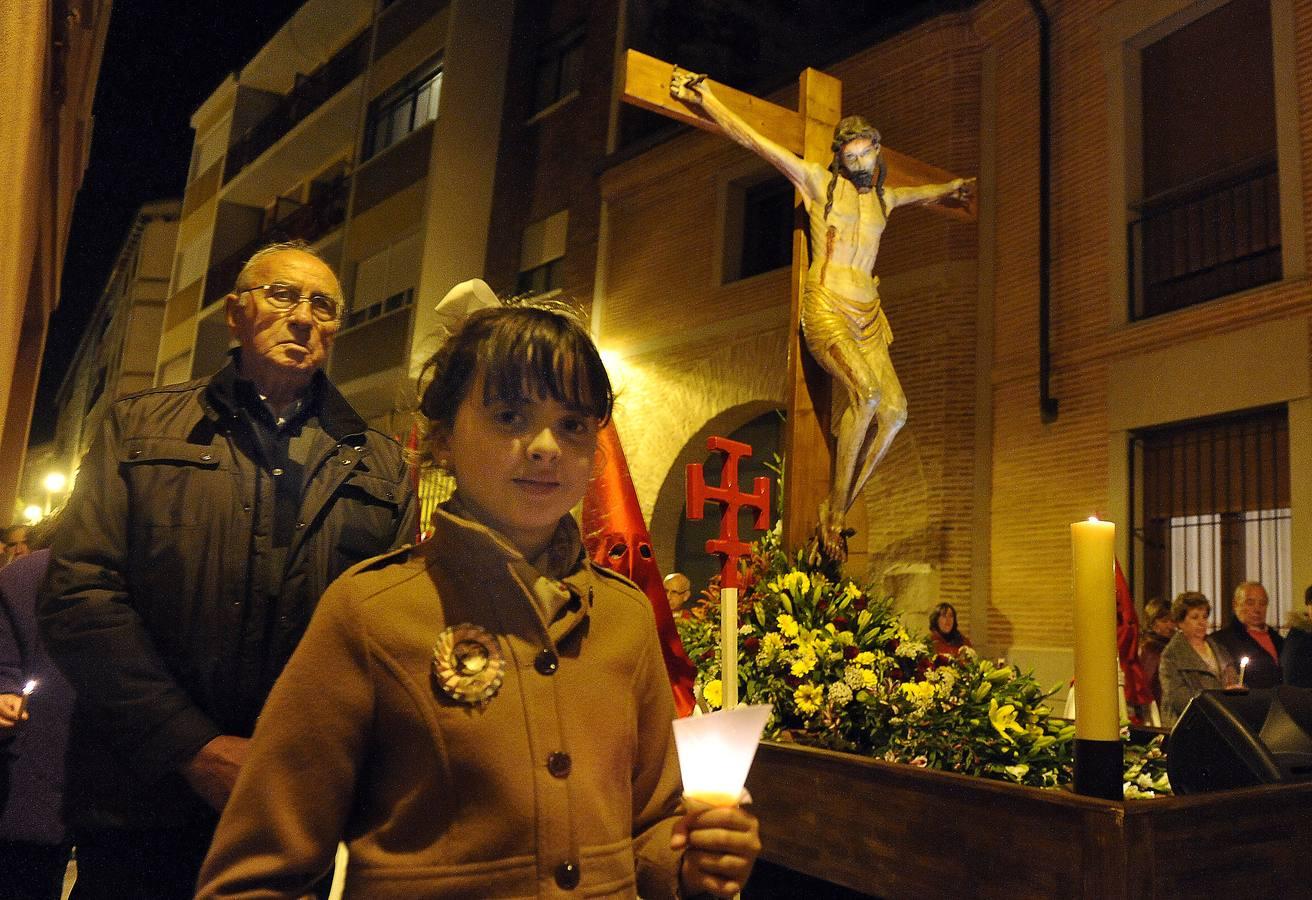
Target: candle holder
{"points": [[1240, 688], [716, 752]]}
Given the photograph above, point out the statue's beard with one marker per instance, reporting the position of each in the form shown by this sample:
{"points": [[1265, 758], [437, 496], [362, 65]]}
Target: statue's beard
{"points": [[863, 180]]}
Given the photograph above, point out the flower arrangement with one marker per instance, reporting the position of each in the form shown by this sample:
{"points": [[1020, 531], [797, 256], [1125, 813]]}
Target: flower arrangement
{"points": [[841, 671]]}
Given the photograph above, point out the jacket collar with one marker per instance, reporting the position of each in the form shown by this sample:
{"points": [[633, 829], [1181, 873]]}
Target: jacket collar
{"points": [[228, 392], [563, 557]]}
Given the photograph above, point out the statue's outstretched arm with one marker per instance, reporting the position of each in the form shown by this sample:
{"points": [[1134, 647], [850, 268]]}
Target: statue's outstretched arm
{"points": [[694, 90], [957, 192]]}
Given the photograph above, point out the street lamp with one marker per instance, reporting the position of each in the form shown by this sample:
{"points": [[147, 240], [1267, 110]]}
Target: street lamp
{"points": [[55, 483]]}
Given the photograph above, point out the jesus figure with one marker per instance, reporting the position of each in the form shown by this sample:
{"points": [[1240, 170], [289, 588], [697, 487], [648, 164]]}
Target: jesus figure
{"points": [[842, 322]]}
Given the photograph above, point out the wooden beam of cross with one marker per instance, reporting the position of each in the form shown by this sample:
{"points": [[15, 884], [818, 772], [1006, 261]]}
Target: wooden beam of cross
{"points": [[807, 131]]}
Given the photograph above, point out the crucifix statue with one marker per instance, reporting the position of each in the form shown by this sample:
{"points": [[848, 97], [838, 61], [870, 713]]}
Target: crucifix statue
{"points": [[846, 199]]}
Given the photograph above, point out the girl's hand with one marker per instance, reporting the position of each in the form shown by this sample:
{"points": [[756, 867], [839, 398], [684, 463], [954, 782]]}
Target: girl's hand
{"points": [[720, 845], [9, 704]]}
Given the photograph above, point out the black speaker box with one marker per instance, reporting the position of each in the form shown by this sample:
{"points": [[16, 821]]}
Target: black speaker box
{"points": [[1231, 740]]}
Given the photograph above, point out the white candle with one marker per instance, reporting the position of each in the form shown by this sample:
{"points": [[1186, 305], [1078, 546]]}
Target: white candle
{"points": [[1093, 550], [729, 646], [1243, 665]]}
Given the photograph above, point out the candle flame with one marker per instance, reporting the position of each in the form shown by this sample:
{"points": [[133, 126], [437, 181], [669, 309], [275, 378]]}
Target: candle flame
{"points": [[29, 687], [1243, 661], [1094, 518]]}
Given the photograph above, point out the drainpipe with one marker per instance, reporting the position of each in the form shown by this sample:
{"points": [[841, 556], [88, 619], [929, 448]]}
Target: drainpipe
{"points": [[1047, 402]]}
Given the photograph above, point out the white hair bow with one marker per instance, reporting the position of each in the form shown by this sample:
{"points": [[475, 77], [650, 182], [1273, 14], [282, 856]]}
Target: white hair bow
{"points": [[459, 302]]}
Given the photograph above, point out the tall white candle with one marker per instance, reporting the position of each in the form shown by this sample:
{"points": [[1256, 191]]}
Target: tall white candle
{"points": [[1093, 550], [729, 646]]}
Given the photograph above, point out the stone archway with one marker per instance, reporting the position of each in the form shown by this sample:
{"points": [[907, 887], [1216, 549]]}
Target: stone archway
{"points": [[667, 513]]}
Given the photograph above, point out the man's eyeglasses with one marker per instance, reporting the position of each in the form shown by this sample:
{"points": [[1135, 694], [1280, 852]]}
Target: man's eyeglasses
{"points": [[285, 298]]}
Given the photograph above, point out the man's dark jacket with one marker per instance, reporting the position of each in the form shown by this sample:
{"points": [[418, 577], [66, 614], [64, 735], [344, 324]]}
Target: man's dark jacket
{"points": [[1262, 671], [159, 605]]}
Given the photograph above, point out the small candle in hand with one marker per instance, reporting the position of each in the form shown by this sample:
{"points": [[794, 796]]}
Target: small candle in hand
{"points": [[27, 692], [1243, 665]]}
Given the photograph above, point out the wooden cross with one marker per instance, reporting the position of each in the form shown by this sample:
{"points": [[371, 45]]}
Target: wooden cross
{"points": [[808, 132]]}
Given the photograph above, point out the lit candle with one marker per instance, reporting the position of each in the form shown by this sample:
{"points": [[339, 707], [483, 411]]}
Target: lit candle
{"points": [[1243, 665], [716, 752], [1097, 707], [27, 692]]}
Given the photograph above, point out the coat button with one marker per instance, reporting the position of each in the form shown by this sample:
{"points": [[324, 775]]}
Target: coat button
{"points": [[300, 524], [546, 663], [346, 460], [277, 471], [206, 457], [567, 876], [558, 764], [134, 454]]}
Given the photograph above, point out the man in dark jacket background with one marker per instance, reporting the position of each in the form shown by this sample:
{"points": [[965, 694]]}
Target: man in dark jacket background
{"points": [[1248, 635], [207, 519]]}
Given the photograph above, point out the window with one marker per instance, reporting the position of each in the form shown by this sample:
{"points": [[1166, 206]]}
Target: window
{"points": [[406, 107], [540, 279], [1207, 221], [541, 255], [559, 70], [385, 282], [1215, 510], [758, 226]]}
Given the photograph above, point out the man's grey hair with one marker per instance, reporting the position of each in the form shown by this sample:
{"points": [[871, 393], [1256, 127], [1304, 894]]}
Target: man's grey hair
{"points": [[1244, 586], [243, 277]]}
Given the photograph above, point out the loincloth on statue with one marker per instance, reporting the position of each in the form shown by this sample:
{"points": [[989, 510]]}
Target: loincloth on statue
{"points": [[829, 317]]}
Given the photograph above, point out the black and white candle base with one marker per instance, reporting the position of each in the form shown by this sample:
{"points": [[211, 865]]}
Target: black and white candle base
{"points": [[1099, 769]]}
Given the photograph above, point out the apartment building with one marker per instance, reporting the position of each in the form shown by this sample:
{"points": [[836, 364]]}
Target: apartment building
{"points": [[364, 129], [118, 350], [49, 68]]}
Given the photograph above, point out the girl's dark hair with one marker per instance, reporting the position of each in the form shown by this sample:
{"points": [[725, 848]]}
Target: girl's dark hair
{"points": [[953, 636], [527, 351]]}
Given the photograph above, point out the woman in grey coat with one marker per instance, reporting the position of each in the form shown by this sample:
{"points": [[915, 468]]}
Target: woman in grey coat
{"points": [[1192, 662]]}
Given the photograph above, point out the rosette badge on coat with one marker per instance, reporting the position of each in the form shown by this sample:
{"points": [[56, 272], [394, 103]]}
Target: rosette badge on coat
{"points": [[468, 664]]}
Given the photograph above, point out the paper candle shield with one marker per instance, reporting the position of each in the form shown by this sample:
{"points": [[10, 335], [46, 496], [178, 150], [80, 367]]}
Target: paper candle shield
{"points": [[716, 751]]}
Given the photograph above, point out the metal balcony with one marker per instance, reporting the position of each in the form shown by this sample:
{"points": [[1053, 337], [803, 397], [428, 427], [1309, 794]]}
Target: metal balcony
{"points": [[306, 221], [311, 92], [1205, 240]]}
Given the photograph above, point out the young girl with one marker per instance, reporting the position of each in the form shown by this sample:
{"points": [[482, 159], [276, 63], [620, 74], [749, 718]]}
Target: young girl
{"points": [[485, 714]]}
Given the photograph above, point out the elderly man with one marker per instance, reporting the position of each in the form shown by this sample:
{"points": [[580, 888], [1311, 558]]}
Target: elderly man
{"points": [[1248, 635], [847, 206], [678, 589], [207, 519]]}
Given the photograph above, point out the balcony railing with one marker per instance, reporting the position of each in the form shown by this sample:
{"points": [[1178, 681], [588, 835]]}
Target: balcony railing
{"points": [[1203, 241], [307, 222], [311, 92]]}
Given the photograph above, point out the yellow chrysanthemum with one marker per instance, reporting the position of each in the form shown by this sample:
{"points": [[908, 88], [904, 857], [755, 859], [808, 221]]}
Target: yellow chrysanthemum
{"points": [[802, 665], [865, 658], [852, 592], [786, 625], [808, 698], [713, 693]]}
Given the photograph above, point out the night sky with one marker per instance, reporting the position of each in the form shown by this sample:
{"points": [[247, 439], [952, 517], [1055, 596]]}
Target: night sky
{"points": [[162, 58]]}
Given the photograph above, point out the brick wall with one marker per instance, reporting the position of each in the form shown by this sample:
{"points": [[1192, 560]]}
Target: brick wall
{"points": [[698, 350]]}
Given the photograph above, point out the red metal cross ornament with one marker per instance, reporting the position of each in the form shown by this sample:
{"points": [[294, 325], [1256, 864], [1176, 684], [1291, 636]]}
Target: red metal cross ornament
{"points": [[728, 546]]}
